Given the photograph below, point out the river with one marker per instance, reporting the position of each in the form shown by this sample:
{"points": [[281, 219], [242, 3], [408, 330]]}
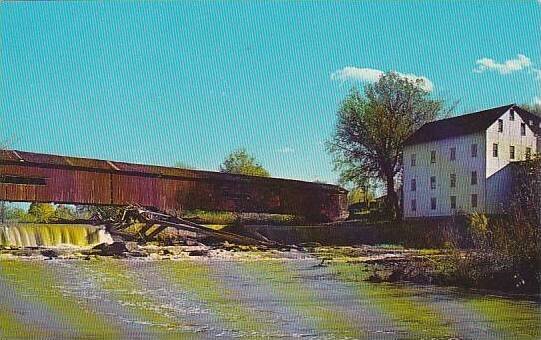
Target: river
{"points": [[244, 294]]}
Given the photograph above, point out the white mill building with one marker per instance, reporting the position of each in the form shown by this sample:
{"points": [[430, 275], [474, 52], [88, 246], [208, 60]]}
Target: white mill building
{"points": [[460, 164]]}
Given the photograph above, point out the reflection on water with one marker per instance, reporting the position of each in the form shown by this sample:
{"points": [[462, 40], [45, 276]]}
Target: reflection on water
{"points": [[31, 235]]}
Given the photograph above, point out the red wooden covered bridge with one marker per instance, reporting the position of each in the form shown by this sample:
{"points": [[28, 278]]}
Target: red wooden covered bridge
{"points": [[33, 177]]}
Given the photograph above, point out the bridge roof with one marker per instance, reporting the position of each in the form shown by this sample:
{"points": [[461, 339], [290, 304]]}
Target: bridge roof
{"points": [[98, 165]]}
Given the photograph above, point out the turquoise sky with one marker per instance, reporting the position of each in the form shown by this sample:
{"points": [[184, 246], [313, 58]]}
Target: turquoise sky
{"points": [[191, 81]]}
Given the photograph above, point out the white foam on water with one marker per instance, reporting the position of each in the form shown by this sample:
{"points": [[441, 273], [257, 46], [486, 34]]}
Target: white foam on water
{"points": [[52, 235]]}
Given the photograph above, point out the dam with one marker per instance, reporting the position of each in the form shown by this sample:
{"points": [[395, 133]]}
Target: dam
{"points": [[51, 235]]}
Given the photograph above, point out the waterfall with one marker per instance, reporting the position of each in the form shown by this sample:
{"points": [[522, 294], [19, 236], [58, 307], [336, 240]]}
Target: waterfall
{"points": [[32, 235]]}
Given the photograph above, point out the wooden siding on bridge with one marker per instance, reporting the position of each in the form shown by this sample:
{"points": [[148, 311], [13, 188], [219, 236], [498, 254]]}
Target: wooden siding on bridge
{"points": [[32, 177]]}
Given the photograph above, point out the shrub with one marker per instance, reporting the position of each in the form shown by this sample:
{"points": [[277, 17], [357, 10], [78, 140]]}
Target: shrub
{"points": [[506, 249]]}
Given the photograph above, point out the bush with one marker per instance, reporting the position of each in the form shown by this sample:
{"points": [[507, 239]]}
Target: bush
{"points": [[229, 218], [507, 249]]}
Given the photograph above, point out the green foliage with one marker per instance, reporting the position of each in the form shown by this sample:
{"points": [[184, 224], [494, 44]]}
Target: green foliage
{"points": [[479, 228], [534, 108], [40, 212], [102, 211], [63, 212], [360, 195], [183, 165], [506, 250], [229, 218], [242, 163], [372, 127], [14, 213]]}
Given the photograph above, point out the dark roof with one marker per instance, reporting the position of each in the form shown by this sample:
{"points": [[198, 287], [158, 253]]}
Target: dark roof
{"points": [[527, 116], [465, 124]]}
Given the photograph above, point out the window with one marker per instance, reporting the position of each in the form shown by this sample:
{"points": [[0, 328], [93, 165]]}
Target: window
{"points": [[414, 205], [474, 150], [453, 202], [474, 178], [413, 184], [14, 179], [453, 180], [433, 156], [453, 154], [528, 153], [511, 115], [522, 129], [413, 159], [433, 182], [512, 152], [433, 203], [500, 125], [495, 150], [474, 200]]}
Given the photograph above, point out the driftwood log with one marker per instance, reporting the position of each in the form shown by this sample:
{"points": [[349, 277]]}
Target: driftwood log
{"points": [[156, 222]]}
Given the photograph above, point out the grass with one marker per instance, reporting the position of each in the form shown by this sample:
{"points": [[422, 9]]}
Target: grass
{"points": [[32, 280], [228, 218], [116, 279], [197, 278], [514, 319], [304, 301], [397, 303]]}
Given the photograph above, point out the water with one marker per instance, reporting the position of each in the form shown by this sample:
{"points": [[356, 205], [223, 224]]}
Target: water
{"points": [[50, 235], [235, 297]]}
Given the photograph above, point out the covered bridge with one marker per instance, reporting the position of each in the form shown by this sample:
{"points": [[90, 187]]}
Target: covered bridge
{"points": [[33, 177]]}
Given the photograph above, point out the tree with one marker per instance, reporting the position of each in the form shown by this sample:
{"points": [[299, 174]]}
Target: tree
{"points": [[15, 214], [41, 212], [371, 130], [183, 165], [64, 212], [360, 195], [106, 212], [242, 163], [535, 109]]}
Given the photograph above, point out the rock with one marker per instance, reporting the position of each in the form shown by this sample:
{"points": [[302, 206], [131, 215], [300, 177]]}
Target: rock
{"points": [[50, 253], [396, 275], [115, 248], [23, 252], [189, 242], [375, 278], [310, 244], [166, 252], [132, 246], [138, 254], [100, 246], [199, 252]]}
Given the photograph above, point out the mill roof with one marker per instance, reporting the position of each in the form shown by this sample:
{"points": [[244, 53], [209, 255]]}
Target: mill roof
{"points": [[467, 124]]}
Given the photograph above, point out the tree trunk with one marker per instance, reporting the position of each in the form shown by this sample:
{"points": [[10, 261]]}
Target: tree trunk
{"points": [[393, 203]]}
